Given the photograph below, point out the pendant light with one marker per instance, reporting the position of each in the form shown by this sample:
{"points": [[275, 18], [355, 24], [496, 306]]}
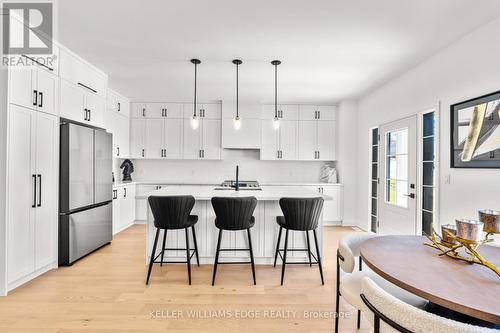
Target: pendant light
{"points": [[276, 120], [195, 121], [237, 120]]}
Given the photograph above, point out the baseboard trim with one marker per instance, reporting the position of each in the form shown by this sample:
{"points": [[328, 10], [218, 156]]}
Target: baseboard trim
{"points": [[19, 282]]}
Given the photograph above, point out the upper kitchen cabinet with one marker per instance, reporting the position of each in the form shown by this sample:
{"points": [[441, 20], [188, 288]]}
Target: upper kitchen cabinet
{"points": [[248, 135], [83, 90], [118, 103], [157, 110], [204, 110], [33, 87], [78, 104], [317, 133], [280, 144], [156, 138], [317, 112], [203, 142], [76, 70], [285, 111], [117, 122]]}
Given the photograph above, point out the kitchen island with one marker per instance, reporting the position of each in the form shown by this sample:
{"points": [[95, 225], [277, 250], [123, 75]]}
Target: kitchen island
{"points": [[264, 233]]}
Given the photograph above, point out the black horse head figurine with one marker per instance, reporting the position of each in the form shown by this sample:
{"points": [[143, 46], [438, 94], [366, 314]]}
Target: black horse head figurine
{"points": [[128, 168]]}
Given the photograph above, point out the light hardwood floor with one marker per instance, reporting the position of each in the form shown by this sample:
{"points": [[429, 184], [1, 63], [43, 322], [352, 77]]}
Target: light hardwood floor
{"points": [[106, 292]]}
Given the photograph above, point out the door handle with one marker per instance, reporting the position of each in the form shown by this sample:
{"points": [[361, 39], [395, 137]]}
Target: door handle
{"points": [[39, 191], [41, 99], [33, 205], [35, 99], [411, 195]]}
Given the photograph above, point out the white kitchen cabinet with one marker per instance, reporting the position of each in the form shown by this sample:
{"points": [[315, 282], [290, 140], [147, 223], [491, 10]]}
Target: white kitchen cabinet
{"points": [[123, 207], [119, 126], [32, 184], [279, 144], [141, 205], [317, 140], [204, 110], [317, 112], [81, 105], [138, 138], [332, 209], [77, 71], [154, 138], [34, 88], [203, 142], [118, 103], [172, 138], [157, 110], [285, 111]]}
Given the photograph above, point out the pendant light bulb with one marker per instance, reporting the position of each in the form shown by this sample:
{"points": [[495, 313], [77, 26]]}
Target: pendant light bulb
{"points": [[195, 122], [237, 123], [276, 123]]}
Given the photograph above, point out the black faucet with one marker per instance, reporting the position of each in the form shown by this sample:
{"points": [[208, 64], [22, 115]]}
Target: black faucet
{"points": [[237, 182]]}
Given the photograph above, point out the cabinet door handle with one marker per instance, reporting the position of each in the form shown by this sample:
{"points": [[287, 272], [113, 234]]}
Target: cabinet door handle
{"points": [[90, 114], [119, 107], [124, 192], [35, 98], [319, 114], [318, 155], [142, 152], [87, 87], [39, 191], [86, 114], [41, 99], [117, 151], [166, 110], [144, 112], [33, 205]]}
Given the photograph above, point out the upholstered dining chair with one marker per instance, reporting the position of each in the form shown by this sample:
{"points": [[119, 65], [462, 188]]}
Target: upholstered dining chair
{"points": [[389, 314], [349, 284]]}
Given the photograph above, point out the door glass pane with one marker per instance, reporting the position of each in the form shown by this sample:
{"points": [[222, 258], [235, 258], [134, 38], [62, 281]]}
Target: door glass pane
{"points": [[397, 167]]}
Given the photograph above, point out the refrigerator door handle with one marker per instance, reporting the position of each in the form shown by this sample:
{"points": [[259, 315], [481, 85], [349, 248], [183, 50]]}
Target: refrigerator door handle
{"points": [[33, 205], [39, 191]]}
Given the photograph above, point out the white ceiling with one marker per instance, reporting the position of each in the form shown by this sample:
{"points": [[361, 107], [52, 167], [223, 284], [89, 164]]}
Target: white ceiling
{"points": [[330, 49]]}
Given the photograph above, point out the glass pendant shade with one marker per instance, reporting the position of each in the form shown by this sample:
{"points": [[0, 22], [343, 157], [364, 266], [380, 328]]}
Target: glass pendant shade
{"points": [[237, 123], [276, 123], [195, 122]]}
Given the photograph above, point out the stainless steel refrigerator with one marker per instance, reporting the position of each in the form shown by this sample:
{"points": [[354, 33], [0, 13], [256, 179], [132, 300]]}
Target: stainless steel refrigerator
{"points": [[85, 208]]}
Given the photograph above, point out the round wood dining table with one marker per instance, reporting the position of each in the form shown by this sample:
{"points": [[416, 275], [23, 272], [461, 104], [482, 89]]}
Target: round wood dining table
{"points": [[469, 289]]}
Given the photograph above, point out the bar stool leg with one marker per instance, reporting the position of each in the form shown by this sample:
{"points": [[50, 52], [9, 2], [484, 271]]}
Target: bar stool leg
{"points": [[284, 257], [319, 257], [152, 256], [251, 256], [277, 246], [216, 256], [337, 296], [308, 248], [188, 253], [195, 246], [163, 247]]}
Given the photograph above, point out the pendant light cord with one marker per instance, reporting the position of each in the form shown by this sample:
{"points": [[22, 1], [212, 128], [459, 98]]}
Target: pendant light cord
{"points": [[276, 91], [195, 78], [237, 91]]}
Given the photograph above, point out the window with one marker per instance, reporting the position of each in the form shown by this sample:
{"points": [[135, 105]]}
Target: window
{"points": [[397, 168], [374, 179], [428, 172]]}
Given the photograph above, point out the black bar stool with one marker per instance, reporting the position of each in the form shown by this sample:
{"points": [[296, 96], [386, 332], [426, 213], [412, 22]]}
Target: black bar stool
{"points": [[234, 214], [172, 213], [300, 214]]}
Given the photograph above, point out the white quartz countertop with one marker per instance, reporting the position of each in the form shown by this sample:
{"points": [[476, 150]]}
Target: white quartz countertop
{"points": [[120, 183], [271, 193]]}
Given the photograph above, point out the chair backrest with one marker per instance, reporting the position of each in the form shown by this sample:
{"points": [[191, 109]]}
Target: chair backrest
{"points": [[234, 213], [171, 212], [301, 213], [349, 247], [398, 316]]}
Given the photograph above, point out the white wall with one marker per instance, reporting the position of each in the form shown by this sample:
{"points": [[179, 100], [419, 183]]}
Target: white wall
{"points": [[348, 157], [468, 68], [214, 172]]}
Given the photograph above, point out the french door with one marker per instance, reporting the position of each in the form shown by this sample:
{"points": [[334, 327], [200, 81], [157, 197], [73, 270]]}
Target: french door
{"points": [[397, 200]]}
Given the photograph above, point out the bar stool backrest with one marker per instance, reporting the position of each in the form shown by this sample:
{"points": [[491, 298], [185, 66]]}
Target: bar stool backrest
{"points": [[301, 213], [171, 212], [234, 213]]}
